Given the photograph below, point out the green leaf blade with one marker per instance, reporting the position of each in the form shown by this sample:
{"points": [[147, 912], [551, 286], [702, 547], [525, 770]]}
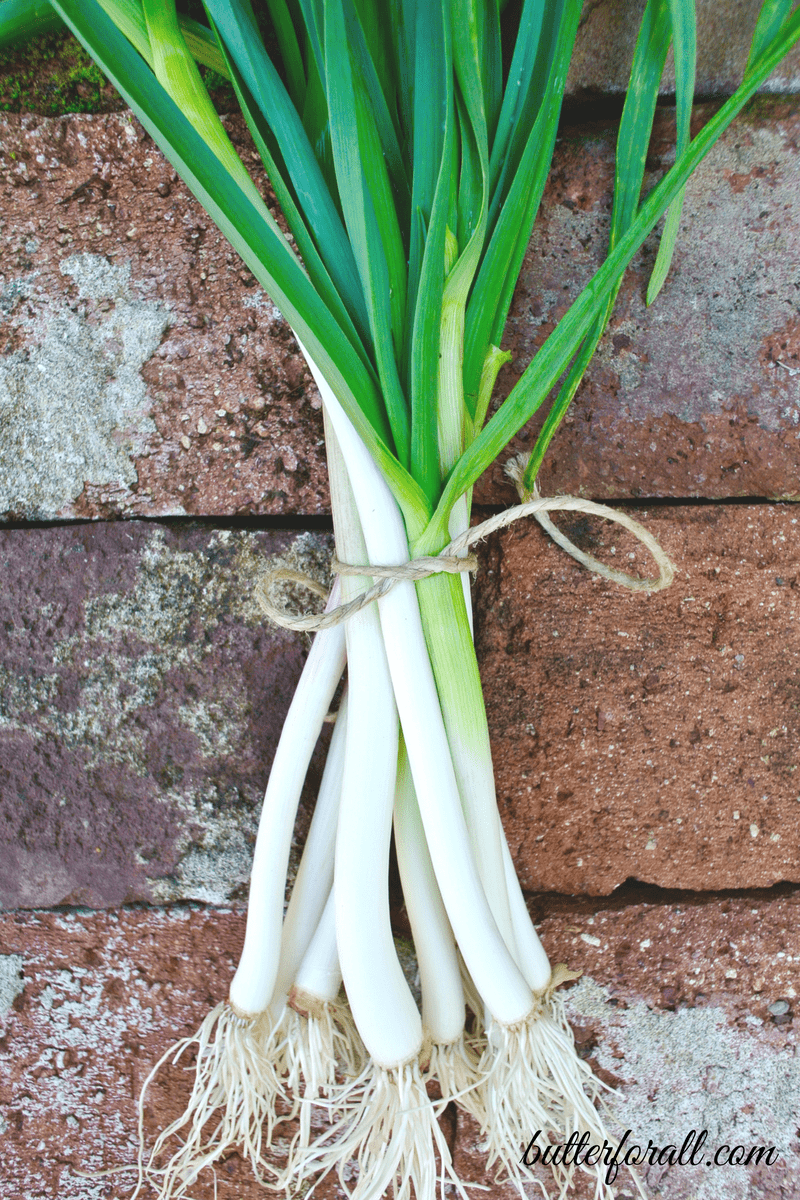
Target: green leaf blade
{"points": [[253, 234], [518, 84], [684, 40], [314, 264], [289, 47], [553, 358], [652, 45], [237, 27], [23, 19], [378, 252], [770, 18], [434, 148], [494, 287]]}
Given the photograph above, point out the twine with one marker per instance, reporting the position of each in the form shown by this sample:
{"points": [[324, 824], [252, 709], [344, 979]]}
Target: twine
{"points": [[456, 558], [387, 577]]}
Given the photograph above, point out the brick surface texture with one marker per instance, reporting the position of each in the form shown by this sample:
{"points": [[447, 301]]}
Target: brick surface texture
{"points": [[653, 737], [607, 35], [677, 1010], [142, 699], [175, 387]]}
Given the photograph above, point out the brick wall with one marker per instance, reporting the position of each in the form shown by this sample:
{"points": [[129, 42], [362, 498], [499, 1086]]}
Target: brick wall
{"points": [[646, 747]]}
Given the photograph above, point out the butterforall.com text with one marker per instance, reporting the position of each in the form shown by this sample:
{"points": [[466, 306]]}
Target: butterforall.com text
{"points": [[578, 1151]]}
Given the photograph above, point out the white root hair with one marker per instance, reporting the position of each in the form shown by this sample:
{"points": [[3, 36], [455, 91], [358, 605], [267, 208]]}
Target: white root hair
{"points": [[386, 1129], [323, 1054], [534, 1080], [236, 1093], [458, 1070]]}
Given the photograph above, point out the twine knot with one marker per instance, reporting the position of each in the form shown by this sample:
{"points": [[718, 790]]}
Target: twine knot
{"points": [[457, 557]]}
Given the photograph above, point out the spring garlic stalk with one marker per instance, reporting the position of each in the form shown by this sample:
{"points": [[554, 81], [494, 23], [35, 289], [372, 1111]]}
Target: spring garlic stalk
{"points": [[532, 1074]]}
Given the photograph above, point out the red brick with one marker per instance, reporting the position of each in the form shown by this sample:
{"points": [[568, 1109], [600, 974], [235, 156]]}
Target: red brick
{"points": [[696, 396], [653, 737], [141, 699], [659, 1012], [143, 696], [227, 421]]}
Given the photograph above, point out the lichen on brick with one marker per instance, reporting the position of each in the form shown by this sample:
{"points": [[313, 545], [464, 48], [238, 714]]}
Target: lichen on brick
{"points": [[141, 697], [214, 855], [11, 980], [73, 405], [691, 1070]]}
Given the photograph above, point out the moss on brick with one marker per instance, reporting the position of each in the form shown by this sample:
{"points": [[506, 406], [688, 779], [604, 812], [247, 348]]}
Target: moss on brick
{"points": [[51, 75]]}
